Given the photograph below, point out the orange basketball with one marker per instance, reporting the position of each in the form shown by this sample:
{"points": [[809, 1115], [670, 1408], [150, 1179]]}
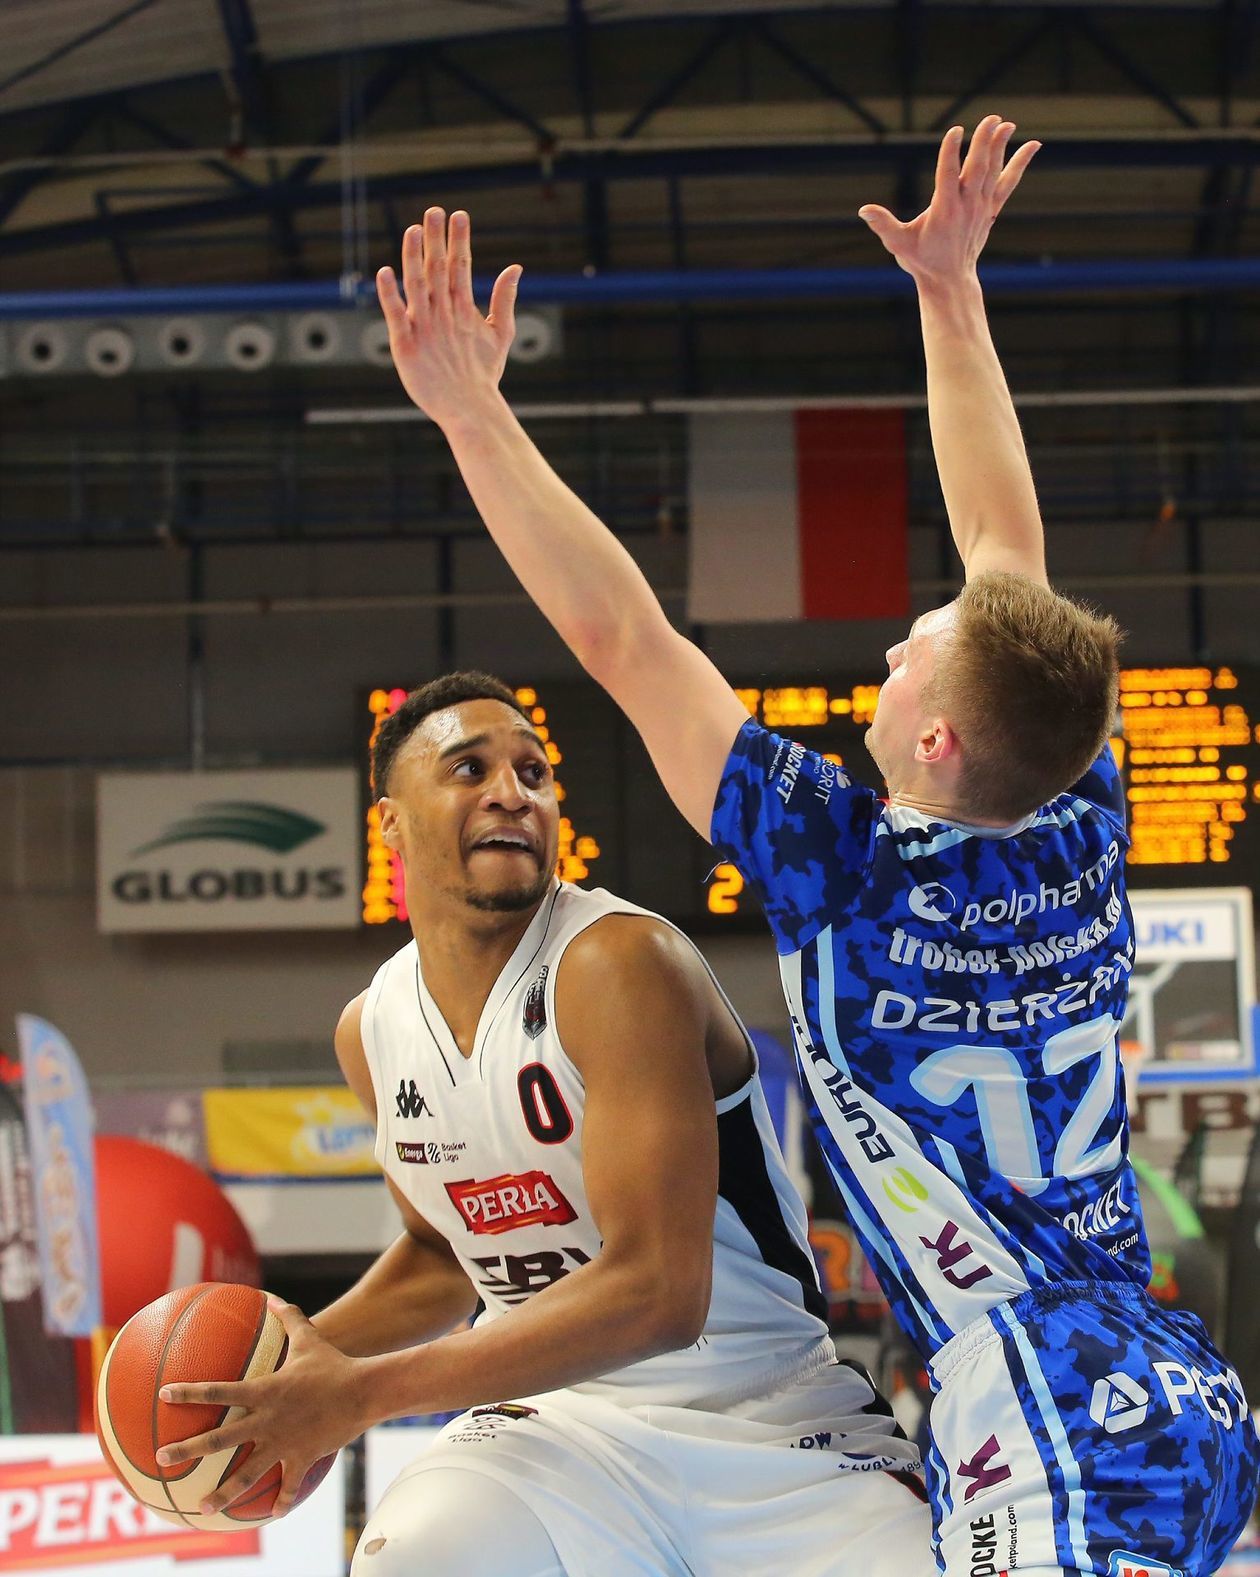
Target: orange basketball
{"points": [[212, 1331]]}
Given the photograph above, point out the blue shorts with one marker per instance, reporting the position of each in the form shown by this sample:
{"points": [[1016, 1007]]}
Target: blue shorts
{"points": [[1083, 1428]]}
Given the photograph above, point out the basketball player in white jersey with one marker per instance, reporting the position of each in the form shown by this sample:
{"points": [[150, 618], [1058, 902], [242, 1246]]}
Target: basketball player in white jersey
{"points": [[569, 1118]]}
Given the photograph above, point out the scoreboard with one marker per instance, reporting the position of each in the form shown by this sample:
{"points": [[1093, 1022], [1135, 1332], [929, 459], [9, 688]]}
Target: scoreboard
{"points": [[1188, 743]]}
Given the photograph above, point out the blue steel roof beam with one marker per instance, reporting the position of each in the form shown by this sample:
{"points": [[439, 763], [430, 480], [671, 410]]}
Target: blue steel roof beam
{"points": [[73, 125], [996, 70], [1137, 74], [909, 38], [253, 114], [595, 190], [171, 139], [1243, 151], [1118, 277], [25, 73], [489, 94], [121, 255], [375, 91], [814, 75], [678, 80]]}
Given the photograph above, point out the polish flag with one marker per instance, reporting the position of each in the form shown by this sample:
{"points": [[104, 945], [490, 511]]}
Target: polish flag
{"points": [[798, 515]]}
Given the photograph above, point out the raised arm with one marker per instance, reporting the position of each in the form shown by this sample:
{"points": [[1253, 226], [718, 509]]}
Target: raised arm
{"points": [[450, 360], [979, 449]]}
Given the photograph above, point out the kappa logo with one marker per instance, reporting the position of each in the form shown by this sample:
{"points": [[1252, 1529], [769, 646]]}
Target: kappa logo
{"points": [[512, 1200], [1121, 1564], [409, 1100], [983, 1471], [1118, 1403], [534, 1016], [932, 901]]}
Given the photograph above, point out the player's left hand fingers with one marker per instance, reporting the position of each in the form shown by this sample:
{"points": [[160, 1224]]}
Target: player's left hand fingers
{"points": [[997, 153], [947, 163], [502, 314], [290, 1484], [973, 166], [246, 1476], [435, 277], [393, 307], [459, 267], [213, 1393], [413, 273], [224, 1438], [1013, 173]]}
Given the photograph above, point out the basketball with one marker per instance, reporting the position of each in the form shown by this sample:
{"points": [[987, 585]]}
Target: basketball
{"points": [[207, 1332]]}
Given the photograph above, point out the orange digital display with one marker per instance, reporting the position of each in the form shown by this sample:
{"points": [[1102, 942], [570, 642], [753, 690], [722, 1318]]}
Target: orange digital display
{"points": [[1188, 746]]}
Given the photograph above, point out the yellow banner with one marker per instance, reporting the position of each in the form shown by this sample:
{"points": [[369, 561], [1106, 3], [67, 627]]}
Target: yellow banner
{"points": [[308, 1131]]}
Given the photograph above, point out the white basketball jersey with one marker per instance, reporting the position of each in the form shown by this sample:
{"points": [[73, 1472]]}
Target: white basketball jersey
{"points": [[488, 1148]]}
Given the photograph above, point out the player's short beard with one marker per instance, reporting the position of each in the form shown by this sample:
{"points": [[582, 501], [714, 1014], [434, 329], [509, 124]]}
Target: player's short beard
{"points": [[510, 900]]}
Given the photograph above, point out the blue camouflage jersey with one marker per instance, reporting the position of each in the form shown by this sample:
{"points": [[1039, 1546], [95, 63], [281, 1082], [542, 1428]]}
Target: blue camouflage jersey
{"points": [[956, 995]]}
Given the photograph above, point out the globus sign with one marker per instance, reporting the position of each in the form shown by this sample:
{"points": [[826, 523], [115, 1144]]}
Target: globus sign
{"points": [[219, 851], [62, 1509]]}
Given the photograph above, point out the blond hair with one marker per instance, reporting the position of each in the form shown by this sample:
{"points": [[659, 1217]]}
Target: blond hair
{"points": [[1028, 683]]}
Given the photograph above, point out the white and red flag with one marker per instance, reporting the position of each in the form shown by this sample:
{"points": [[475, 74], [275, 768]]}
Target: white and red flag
{"points": [[798, 514]]}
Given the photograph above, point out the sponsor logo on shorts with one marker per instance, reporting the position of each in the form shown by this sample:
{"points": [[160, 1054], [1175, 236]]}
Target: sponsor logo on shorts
{"points": [[1220, 1395], [1119, 1403], [505, 1410], [984, 1540], [952, 1253], [984, 1470], [534, 1015], [1103, 1214], [509, 1201], [905, 1190], [434, 1153], [1121, 1564]]}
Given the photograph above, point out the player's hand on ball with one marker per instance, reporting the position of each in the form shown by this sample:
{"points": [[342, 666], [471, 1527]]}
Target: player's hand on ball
{"points": [[304, 1411], [445, 352], [948, 236]]}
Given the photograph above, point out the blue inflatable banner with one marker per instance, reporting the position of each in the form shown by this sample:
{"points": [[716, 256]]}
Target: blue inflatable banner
{"points": [[63, 1174]]}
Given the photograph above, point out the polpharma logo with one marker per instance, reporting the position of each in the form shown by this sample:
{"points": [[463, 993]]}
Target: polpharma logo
{"points": [[932, 901], [274, 827], [1118, 1403]]}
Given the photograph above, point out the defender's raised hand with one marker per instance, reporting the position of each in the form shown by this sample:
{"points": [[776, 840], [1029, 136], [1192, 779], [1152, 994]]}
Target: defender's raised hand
{"points": [[446, 353], [948, 236]]}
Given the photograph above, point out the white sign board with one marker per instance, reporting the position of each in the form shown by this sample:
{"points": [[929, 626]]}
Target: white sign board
{"points": [[228, 851], [63, 1511], [1193, 984], [387, 1450]]}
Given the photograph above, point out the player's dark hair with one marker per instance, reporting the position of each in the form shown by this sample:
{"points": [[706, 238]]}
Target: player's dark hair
{"points": [[1029, 683], [436, 696]]}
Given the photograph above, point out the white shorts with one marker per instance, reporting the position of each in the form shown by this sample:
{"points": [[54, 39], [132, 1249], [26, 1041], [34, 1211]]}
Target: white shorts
{"points": [[777, 1485]]}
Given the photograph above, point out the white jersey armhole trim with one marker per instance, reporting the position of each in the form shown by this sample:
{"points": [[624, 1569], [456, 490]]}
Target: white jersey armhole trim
{"points": [[367, 1034]]}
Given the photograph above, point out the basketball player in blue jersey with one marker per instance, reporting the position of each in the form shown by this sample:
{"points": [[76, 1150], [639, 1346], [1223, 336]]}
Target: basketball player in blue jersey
{"points": [[569, 1118], [955, 959]]}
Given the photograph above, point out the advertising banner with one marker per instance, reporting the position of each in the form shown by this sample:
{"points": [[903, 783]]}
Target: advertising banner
{"points": [[172, 1119], [62, 1510], [38, 1390], [1193, 985], [227, 851], [59, 1133], [300, 1133]]}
